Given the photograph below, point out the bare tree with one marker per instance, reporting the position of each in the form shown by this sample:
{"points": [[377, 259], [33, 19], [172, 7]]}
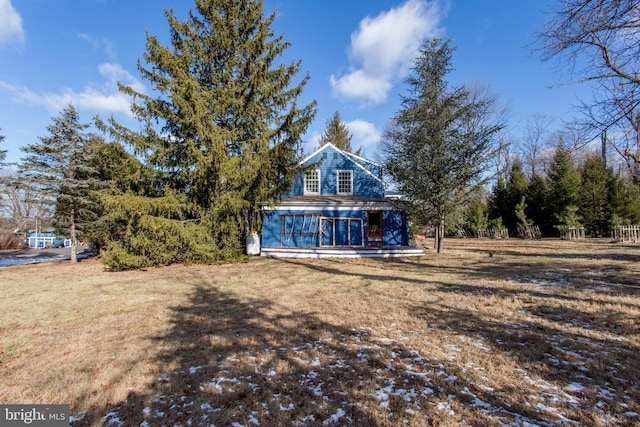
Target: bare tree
{"points": [[605, 31], [598, 41], [616, 115], [21, 203], [534, 143]]}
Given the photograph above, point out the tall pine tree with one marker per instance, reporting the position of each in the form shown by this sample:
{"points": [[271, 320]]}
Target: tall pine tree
{"points": [[229, 122], [441, 141], [59, 167]]}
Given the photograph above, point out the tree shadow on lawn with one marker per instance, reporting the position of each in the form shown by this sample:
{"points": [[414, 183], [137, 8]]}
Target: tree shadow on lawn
{"points": [[553, 338], [596, 377], [231, 359], [596, 280]]}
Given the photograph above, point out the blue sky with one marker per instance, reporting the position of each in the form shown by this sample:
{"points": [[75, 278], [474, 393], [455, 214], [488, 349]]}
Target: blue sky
{"points": [[357, 52]]}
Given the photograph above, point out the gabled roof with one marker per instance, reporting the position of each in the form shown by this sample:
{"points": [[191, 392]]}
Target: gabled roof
{"points": [[351, 157]]}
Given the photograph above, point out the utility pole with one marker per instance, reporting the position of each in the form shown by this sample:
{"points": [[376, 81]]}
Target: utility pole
{"points": [[603, 142]]}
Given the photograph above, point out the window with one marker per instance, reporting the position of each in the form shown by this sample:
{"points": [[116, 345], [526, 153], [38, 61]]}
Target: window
{"points": [[312, 182], [345, 182]]}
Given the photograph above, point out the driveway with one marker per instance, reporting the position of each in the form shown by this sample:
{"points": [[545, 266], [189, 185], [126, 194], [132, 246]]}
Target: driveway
{"points": [[32, 256]]}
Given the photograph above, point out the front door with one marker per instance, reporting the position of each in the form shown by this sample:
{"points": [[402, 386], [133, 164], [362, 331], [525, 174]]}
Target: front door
{"points": [[374, 228]]}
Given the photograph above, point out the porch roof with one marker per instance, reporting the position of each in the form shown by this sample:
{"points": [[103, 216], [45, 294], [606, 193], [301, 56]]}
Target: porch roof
{"points": [[332, 201]]}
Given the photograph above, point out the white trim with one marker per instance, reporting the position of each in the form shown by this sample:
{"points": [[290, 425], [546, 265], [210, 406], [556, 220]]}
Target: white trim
{"points": [[363, 159], [310, 156], [344, 193], [384, 252], [314, 208], [304, 182]]}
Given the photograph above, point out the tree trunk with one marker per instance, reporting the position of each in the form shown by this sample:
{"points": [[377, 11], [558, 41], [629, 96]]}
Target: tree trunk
{"points": [[74, 240], [439, 235]]}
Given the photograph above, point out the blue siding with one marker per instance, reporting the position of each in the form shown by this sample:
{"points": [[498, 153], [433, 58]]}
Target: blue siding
{"points": [[287, 228], [297, 226], [366, 176]]}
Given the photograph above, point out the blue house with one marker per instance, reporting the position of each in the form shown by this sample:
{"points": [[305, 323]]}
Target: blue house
{"points": [[336, 208]]}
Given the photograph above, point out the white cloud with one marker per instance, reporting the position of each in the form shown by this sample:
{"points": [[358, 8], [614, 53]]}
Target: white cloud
{"points": [[11, 30], [383, 49], [100, 43], [360, 85], [103, 98], [363, 134]]}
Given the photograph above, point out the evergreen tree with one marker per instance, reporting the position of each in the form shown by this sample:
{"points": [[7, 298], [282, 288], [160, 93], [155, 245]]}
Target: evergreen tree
{"points": [[440, 142], [498, 204], [537, 204], [594, 194], [476, 217], [120, 173], [564, 185], [121, 170], [521, 217], [338, 134], [515, 192], [229, 122], [624, 202], [59, 167], [3, 153]]}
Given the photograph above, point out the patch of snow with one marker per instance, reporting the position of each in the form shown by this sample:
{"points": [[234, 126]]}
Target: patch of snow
{"points": [[335, 417], [444, 406], [575, 387]]}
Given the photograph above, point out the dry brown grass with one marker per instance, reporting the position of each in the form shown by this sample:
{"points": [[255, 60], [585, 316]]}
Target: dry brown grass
{"points": [[541, 332]]}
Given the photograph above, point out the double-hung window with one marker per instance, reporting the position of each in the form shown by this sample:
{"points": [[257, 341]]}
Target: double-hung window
{"points": [[312, 182], [345, 182]]}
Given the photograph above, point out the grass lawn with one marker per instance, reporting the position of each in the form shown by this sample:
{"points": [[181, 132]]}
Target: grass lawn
{"points": [[488, 333]]}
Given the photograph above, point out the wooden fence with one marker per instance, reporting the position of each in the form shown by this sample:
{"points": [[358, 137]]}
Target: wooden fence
{"points": [[572, 233], [491, 233], [530, 232], [626, 233]]}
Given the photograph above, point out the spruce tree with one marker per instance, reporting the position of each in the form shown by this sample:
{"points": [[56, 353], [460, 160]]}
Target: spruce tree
{"points": [[229, 125], [59, 167], [439, 144], [337, 133], [596, 186], [515, 192], [564, 185], [537, 204], [624, 201]]}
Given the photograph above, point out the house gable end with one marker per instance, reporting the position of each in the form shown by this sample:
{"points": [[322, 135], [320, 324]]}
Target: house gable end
{"points": [[330, 160]]}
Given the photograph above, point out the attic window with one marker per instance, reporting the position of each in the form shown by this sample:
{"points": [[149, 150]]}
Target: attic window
{"points": [[345, 182], [312, 182]]}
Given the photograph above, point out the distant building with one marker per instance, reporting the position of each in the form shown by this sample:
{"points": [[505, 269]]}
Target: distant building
{"points": [[46, 239]]}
